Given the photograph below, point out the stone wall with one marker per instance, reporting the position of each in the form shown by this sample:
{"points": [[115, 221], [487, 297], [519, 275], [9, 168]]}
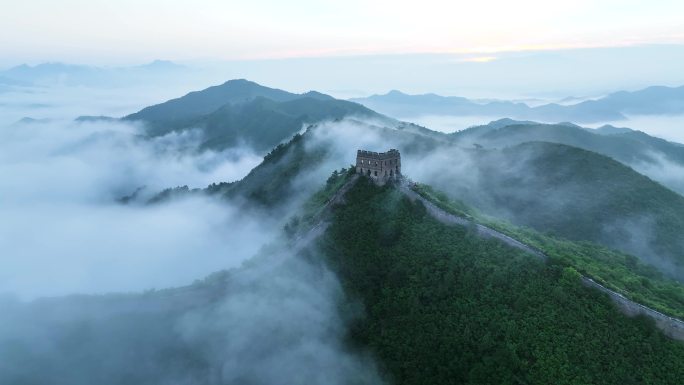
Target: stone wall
{"points": [[671, 327]]}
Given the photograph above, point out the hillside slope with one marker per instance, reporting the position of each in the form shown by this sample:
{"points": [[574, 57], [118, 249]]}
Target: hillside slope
{"points": [[575, 194], [647, 154], [627, 147], [445, 306]]}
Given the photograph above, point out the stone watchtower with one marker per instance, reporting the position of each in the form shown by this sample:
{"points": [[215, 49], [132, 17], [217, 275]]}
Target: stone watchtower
{"points": [[379, 166]]}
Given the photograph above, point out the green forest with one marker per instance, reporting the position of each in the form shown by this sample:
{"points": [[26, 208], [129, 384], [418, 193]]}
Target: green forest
{"points": [[445, 306], [616, 270]]}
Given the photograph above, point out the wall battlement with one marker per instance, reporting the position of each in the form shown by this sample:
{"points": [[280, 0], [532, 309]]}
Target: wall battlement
{"points": [[379, 166]]}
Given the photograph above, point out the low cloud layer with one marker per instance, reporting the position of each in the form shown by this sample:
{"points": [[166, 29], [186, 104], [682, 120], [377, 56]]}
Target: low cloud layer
{"points": [[277, 321], [64, 232], [666, 172], [668, 127]]}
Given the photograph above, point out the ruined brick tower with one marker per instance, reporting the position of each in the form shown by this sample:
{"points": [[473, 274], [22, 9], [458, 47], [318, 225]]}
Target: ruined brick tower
{"points": [[379, 166]]}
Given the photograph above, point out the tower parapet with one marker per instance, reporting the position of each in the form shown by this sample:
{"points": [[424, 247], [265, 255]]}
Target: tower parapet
{"points": [[379, 166]]}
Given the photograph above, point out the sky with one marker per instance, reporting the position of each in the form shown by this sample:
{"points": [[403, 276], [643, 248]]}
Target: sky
{"points": [[131, 31], [479, 49]]}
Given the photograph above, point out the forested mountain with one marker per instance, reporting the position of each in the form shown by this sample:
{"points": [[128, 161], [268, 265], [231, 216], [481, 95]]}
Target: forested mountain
{"points": [[648, 101], [199, 103], [647, 154], [625, 145], [575, 194], [296, 168], [241, 112], [444, 306]]}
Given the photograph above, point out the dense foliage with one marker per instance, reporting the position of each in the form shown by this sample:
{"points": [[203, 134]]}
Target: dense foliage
{"points": [[445, 306], [271, 181], [619, 271]]}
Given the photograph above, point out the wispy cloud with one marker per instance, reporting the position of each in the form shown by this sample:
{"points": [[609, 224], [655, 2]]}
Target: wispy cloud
{"points": [[63, 230], [478, 59]]}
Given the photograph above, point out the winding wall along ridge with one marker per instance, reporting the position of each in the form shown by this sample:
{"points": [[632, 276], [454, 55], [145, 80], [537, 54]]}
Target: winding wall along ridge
{"points": [[672, 327]]}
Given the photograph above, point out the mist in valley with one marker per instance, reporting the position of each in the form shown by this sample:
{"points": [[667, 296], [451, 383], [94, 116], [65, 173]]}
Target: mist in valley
{"points": [[62, 182], [499, 182], [279, 319], [669, 127]]}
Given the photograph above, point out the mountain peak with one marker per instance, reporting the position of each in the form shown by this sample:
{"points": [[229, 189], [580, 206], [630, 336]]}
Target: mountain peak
{"points": [[317, 95], [240, 81], [608, 129], [210, 99], [395, 93]]}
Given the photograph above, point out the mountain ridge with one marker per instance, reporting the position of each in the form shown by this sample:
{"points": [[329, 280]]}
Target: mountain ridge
{"points": [[241, 111], [613, 106]]}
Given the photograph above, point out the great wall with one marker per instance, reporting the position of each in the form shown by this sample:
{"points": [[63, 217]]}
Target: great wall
{"points": [[670, 326]]}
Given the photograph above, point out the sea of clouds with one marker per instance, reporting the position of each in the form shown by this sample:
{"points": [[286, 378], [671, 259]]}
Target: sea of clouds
{"points": [[64, 230]]}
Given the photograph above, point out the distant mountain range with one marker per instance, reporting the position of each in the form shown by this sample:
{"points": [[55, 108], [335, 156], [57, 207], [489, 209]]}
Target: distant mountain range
{"points": [[648, 101], [48, 74], [657, 158], [623, 144]]}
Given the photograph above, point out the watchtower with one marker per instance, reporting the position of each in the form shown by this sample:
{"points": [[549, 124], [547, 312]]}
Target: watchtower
{"points": [[379, 166]]}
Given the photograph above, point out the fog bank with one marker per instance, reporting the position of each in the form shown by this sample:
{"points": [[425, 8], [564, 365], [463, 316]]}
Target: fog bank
{"points": [[282, 319], [64, 231]]}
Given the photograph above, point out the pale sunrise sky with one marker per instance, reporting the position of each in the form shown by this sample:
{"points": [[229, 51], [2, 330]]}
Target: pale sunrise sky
{"points": [[131, 31]]}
